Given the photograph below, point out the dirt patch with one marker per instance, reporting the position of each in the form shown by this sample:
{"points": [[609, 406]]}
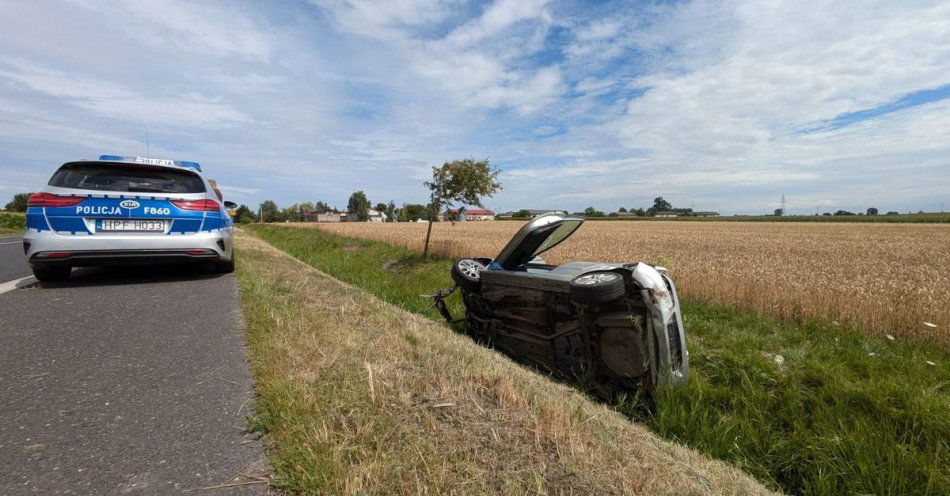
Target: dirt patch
{"points": [[351, 248], [394, 264]]}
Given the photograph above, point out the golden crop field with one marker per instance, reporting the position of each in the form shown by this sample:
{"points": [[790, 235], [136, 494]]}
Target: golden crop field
{"points": [[890, 279]]}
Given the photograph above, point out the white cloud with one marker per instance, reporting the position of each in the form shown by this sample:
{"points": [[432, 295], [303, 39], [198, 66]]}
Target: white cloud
{"points": [[116, 101]]}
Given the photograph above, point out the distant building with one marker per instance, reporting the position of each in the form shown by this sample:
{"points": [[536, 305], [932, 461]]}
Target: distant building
{"points": [[322, 216], [329, 217], [665, 213], [469, 214], [373, 216], [623, 214], [706, 214]]}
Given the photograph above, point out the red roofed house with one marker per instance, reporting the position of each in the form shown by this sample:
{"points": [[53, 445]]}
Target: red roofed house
{"points": [[469, 214]]}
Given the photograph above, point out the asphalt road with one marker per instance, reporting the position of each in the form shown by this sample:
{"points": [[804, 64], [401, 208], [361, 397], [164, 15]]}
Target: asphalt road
{"points": [[123, 381], [12, 262]]}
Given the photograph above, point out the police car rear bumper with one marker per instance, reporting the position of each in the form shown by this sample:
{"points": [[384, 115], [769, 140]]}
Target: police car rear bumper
{"points": [[48, 248]]}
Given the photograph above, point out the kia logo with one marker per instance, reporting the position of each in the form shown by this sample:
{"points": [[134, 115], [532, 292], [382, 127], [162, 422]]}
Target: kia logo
{"points": [[129, 204]]}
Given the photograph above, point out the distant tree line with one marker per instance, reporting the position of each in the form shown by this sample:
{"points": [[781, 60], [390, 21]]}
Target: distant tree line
{"points": [[659, 205]]}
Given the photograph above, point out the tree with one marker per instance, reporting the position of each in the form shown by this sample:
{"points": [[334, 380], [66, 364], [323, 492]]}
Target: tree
{"points": [[843, 212], [380, 207], [639, 212], [359, 205], [592, 212], [659, 204], [321, 207], [891, 212], [18, 203], [523, 213], [244, 215], [778, 212], [459, 181], [391, 212], [872, 211], [621, 209], [270, 212], [411, 212]]}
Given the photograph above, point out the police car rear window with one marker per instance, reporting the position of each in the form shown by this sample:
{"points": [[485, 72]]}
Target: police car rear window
{"points": [[126, 177]]}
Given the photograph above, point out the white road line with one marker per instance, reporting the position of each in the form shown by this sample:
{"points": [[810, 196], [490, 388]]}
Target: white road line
{"points": [[17, 283], [10, 242]]}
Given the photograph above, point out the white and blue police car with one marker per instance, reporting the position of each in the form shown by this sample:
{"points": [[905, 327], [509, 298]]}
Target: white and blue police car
{"points": [[126, 210]]}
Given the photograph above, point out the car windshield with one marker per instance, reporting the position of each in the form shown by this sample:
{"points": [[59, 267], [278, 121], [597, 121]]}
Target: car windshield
{"points": [[126, 177], [561, 233], [536, 237]]}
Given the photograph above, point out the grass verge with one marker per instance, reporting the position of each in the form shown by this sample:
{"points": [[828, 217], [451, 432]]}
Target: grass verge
{"points": [[807, 408], [358, 396]]}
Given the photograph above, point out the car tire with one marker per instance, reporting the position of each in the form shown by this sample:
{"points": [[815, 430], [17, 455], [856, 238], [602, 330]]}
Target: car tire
{"points": [[465, 273], [52, 273], [597, 287], [225, 266]]}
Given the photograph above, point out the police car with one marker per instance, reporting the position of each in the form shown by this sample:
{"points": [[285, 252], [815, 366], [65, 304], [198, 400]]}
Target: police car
{"points": [[118, 210]]}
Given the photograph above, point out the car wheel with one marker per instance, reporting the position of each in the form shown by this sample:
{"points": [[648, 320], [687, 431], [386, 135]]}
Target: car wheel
{"points": [[597, 287], [225, 266], [466, 273], [52, 273]]}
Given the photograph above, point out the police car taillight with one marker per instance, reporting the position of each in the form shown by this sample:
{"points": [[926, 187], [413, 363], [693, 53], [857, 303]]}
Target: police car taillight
{"points": [[206, 205], [51, 200]]}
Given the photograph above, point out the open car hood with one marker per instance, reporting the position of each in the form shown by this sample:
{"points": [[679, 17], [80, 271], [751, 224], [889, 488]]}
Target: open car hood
{"points": [[534, 238]]}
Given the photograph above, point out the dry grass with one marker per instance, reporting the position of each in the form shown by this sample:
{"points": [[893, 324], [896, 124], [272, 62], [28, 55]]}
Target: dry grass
{"points": [[361, 397], [885, 278]]}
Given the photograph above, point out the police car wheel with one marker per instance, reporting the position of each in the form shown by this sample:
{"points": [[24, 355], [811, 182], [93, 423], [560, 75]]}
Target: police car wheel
{"points": [[52, 273], [225, 267]]}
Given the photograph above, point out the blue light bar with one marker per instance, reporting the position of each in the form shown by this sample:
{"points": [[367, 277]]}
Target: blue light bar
{"points": [[152, 161]]}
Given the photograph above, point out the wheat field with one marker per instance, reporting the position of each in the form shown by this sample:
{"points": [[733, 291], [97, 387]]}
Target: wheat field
{"points": [[888, 279]]}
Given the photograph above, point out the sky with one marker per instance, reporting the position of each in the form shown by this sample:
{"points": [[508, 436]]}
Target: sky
{"points": [[718, 105]]}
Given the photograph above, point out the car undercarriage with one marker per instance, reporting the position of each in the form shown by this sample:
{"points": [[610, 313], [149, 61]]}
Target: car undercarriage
{"points": [[613, 327]]}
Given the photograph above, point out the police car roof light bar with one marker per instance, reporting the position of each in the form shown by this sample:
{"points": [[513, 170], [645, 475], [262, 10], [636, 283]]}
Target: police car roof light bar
{"points": [[152, 161]]}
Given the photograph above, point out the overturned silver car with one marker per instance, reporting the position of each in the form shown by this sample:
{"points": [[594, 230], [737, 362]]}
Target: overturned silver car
{"points": [[616, 326]]}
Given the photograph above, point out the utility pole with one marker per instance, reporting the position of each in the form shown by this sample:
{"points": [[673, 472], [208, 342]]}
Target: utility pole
{"points": [[783, 204], [260, 211], [148, 147]]}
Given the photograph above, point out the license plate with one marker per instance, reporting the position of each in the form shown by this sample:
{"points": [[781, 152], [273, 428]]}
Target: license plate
{"points": [[132, 225]]}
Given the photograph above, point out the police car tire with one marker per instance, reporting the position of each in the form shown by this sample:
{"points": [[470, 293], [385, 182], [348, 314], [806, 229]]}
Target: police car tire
{"points": [[597, 287], [225, 267], [52, 273]]}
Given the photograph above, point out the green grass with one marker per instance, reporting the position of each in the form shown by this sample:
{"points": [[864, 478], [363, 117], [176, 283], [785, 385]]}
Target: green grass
{"points": [[12, 223], [838, 413], [924, 218]]}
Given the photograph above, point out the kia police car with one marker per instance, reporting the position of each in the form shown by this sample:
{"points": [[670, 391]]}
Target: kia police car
{"points": [[119, 210]]}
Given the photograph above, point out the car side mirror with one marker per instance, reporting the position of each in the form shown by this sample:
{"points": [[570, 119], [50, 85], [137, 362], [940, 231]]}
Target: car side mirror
{"points": [[230, 205]]}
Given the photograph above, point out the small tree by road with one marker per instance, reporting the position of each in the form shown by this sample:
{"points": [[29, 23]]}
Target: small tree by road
{"points": [[872, 211], [459, 182]]}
